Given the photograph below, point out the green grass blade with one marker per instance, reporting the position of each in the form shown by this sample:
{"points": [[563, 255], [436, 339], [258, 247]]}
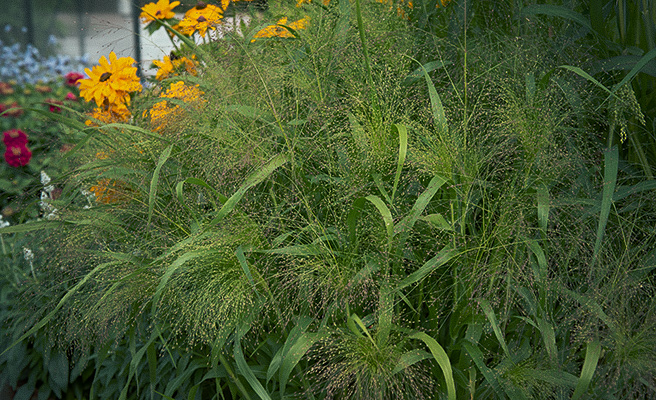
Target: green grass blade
{"points": [[406, 224], [489, 313], [294, 355], [245, 370], [152, 195], [438, 221], [589, 365], [637, 68], [352, 218], [549, 338], [403, 149], [446, 254], [409, 358], [556, 11], [587, 76], [386, 214], [442, 360], [477, 356], [541, 271], [611, 160], [543, 207], [239, 253], [439, 117], [251, 181]]}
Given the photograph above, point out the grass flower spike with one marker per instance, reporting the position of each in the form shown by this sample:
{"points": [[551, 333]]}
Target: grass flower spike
{"points": [[160, 10], [111, 81]]}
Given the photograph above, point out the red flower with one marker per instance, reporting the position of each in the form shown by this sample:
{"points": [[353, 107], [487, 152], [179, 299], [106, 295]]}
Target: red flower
{"points": [[54, 105], [70, 96], [18, 156], [72, 78], [14, 137]]}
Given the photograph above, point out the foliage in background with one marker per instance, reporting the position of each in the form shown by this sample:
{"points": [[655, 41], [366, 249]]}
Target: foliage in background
{"points": [[378, 204]]}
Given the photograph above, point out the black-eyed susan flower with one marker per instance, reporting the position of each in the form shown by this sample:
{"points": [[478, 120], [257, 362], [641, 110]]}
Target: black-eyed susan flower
{"points": [[109, 114], [111, 82], [162, 112], [160, 10], [202, 17], [278, 30], [173, 65]]}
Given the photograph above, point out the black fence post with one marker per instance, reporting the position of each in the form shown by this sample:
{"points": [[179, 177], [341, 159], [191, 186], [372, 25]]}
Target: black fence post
{"points": [[137, 37], [29, 22]]}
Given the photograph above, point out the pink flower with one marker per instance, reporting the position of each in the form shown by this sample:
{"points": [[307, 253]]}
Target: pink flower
{"points": [[72, 78], [70, 96], [18, 156], [14, 137]]}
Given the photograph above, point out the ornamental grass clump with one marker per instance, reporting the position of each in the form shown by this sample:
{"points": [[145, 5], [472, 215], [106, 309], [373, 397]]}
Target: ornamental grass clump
{"points": [[367, 207]]}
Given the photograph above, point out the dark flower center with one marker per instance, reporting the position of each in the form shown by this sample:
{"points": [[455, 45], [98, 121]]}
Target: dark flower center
{"points": [[105, 76], [158, 13], [200, 5], [201, 19]]}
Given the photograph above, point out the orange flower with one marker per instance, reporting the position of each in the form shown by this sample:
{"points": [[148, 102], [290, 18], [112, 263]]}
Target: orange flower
{"points": [[160, 10], [111, 81]]}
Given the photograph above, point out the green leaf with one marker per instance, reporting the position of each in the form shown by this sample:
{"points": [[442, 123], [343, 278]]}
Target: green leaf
{"points": [[589, 365], [556, 11], [406, 224], [403, 149], [442, 360], [291, 358], [439, 117], [385, 212], [243, 367], [152, 195], [543, 207], [446, 254], [438, 221], [409, 358], [489, 313], [611, 160]]}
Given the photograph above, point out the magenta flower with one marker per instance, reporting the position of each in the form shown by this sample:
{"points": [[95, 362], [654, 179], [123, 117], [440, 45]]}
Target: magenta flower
{"points": [[14, 137], [18, 156]]}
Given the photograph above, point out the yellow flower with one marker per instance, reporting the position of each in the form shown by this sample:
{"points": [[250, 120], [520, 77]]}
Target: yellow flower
{"points": [[278, 31], [111, 81], [301, 2], [171, 65], [109, 192], [160, 10], [109, 114], [202, 17], [444, 3], [165, 68], [162, 112]]}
